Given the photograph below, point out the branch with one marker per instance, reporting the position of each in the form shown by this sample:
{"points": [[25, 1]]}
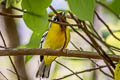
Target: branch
{"points": [[87, 70], [9, 56], [3, 75], [50, 52], [10, 15], [105, 6], [108, 28], [68, 69]]}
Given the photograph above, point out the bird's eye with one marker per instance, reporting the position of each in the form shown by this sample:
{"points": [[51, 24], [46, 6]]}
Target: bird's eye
{"points": [[55, 19]]}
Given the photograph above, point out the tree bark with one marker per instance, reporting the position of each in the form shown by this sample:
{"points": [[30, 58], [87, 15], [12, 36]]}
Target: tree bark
{"points": [[10, 28]]}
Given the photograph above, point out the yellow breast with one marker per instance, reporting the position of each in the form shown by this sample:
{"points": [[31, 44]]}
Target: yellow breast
{"points": [[56, 37], [55, 40]]}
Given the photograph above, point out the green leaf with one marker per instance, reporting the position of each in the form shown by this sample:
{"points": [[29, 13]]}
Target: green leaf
{"points": [[34, 43], [37, 19], [115, 6], [35, 40], [117, 71], [112, 41], [112, 4], [35, 6], [37, 23], [9, 2], [83, 9], [28, 58]]}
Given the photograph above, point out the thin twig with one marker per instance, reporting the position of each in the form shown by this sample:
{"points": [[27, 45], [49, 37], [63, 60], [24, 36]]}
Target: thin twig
{"points": [[3, 40], [87, 70], [74, 46], [94, 63], [63, 23], [68, 69], [99, 38], [99, 49], [106, 26], [78, 32], [102, 70], [2, 47], [12, 7], [105, 6], [3, 75], [14, 73], [11, 71], [59, 17], [14, 68], [9, 56], [11, 15], [95, 44]]}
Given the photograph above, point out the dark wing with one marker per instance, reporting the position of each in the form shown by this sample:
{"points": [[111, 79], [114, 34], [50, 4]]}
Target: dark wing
{"points": [[42, 41]]}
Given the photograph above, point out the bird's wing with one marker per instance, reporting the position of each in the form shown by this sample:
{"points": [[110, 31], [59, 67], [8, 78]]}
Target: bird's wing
{"points": [[43, 38], [41, 43]]}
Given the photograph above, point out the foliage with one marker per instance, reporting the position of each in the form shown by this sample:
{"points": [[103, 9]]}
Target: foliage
{"points": [[117, 71], [83, 9], [36, 20], [114, 5], [35, 16], [112, 41]]}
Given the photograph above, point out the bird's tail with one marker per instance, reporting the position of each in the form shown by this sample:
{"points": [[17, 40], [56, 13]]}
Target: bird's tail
{"points": [[44, 70]]}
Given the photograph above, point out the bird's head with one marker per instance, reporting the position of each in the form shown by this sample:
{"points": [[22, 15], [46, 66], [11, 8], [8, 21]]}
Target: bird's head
{"points": [[60, 18]]}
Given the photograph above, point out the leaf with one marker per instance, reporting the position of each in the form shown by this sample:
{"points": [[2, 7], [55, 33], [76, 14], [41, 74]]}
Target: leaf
{"points": [[34, 41], [37, 23], [35, 6], [37, 19], [9, 3], [117, 71], [83, 9], [115, 6], [27, 58], [112, 41], [112, 4]]}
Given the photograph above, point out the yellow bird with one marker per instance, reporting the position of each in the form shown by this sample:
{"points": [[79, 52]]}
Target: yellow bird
{"points": [[54, 38]]}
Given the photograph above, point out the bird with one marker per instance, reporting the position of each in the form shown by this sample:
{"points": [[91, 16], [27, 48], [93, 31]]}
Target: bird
{"points": [[57, 37]]}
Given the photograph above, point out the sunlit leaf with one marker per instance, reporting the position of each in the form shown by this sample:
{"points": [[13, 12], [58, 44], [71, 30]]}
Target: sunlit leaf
{"points": [[113, 41], [117, 71]]}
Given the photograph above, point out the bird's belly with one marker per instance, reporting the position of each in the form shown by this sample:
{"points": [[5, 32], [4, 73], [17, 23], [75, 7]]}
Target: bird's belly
{"points": [[55, 42]]}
